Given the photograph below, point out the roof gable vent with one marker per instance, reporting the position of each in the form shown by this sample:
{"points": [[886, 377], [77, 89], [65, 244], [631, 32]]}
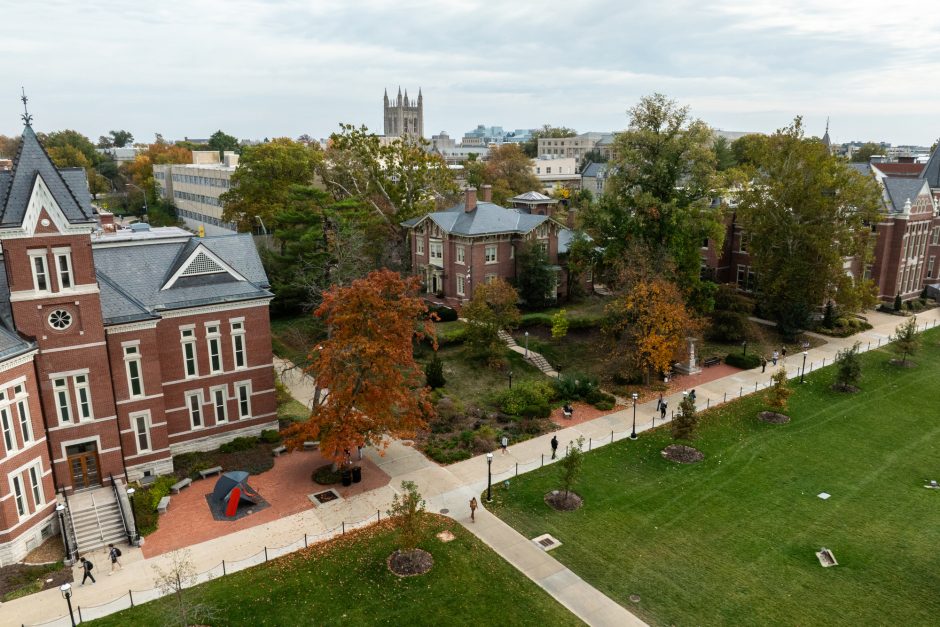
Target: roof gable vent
{"points": [[202, 264]]}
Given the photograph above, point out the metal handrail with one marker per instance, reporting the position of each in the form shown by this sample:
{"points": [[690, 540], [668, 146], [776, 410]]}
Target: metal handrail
{"points": [[117, 497]]}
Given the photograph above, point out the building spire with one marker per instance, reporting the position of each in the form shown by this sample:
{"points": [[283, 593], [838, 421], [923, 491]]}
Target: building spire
{"points": [[27, 118]]}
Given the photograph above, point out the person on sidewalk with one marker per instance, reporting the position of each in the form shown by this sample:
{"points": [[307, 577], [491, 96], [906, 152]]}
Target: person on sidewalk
{"points": [[659, 402], [662, 409], [505, 444], [763, 364], [473, 508], [692, 395], [554, 446], [115, 554], [774, 356], [783, 354], [86, 569]]}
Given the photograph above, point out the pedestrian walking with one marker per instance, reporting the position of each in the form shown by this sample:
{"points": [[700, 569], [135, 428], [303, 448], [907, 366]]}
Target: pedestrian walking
{"points": [[659, 402], [692, 396], [115, 554], [473, 508], [554, 446], [774, 357], [86, 569], [505, 444], [763, 364], [662, 409], [783, 354]]}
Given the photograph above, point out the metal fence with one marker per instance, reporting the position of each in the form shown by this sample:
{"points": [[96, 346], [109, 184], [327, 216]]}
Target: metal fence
{"points": [[126, 601]]}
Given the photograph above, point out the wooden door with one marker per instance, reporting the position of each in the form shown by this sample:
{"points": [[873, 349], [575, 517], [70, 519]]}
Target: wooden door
{"points": [[84, 469]]}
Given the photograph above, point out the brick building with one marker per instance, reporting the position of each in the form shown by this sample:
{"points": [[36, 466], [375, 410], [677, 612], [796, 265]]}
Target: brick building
{"points": [[118, 349], [476, 241]]}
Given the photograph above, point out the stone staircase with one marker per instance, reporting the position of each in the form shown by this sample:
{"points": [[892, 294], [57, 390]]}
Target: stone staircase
{"points": [[540, 362], [96, 519], [506, 338]]}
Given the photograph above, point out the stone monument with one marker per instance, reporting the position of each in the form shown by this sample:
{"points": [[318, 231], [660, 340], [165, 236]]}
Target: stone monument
{"points": [[690, 366]]}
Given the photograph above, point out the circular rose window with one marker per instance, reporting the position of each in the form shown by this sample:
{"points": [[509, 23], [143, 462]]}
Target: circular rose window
{"points": [[60, 319]]}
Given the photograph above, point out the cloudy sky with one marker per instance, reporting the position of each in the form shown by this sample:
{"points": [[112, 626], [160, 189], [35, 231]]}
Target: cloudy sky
{"points": [[284, 67]]}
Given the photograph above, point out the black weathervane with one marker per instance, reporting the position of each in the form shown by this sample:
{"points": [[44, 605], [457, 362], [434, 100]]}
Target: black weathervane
{"points": [[27, 118]]}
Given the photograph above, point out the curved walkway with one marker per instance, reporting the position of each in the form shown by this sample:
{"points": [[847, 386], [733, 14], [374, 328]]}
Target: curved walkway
{"points": [[450, 488]]}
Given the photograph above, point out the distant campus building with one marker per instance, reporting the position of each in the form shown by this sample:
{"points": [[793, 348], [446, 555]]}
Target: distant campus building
{"points": [[194, 189], [403, 116], [118, 350]]}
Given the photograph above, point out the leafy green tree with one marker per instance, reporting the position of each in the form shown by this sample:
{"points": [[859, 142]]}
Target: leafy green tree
{"points": [[898, 302], [491, 309], [729, 319], [9, 146], [659, 195], [848, 368], [865, 152], [805, 212], [69, 141], [261, 186], [685, 421], [724, 155], [408, 511], [535, 280], [905, 340], [560, 324], [571, 465], [222, 142], [120, 139], [747, 149], [434, 372], [507, 169], [531, 147], [579, 260]]}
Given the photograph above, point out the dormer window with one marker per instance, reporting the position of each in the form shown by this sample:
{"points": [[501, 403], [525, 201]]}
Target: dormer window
{"points": [[37, 262]]}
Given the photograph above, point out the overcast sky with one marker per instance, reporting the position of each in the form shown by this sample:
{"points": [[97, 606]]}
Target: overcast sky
{"points": [[284, 67]]}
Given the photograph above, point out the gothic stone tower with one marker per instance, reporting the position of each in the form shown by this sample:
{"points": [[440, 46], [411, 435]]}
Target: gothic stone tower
{"points": [[403, 116]]}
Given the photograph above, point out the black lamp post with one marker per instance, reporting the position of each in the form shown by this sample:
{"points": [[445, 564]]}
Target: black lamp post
{"points": [[744, 348], [66, 590], [489, 477], [60, 510], [526, 344], [803, 373], [633, 433], [130, 497], [510, 379]]}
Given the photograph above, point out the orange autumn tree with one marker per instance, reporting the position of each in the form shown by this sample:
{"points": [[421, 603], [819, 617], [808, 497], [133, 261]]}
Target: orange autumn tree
{"points": [[647, 327], [375, 387]]}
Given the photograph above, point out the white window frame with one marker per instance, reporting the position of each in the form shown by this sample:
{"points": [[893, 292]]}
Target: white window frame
{"points": [[214, 341], [41, 256], [135, 424], [19, 496], [86, 411], [35, 483], [243, 398], [63, 400], [436, 250], [132, 359], [930, 263], [419, 244], [487, 258], [60, 254], [188, 342], [461, 288], [216, 407], [239, 344], [461, 255], [6, 422], [21, 399], [195, 410]]}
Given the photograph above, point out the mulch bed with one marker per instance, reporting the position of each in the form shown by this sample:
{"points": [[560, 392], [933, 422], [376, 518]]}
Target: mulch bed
{"points": [[682, 454], [325, 475], [774, 418], [49, 551], [559, 501], [410, 563], [848, 389], [17, 576], [907, 363]]}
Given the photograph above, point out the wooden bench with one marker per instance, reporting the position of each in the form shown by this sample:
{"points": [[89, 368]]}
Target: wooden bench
{"points": [[179, 485], [215, 470], [711, 361], [163, 505], [281, 449], [311, 446]]}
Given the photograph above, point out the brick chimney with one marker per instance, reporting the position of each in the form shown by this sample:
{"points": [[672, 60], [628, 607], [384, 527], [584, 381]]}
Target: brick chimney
{"points": [[106, 220], [470, 199], [487, 193]]}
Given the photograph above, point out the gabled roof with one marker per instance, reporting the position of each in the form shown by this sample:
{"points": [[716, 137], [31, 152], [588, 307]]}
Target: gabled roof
{"points": [[901, 189], [910, 170], [533, 197], [487, 218], [68, 187], [931, 172]]}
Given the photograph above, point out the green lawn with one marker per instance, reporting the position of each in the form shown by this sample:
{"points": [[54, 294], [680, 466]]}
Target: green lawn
{"points": [[346, 582], [732, 539]]}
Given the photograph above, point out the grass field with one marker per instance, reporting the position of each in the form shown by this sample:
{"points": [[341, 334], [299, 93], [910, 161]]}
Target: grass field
{"points": [[346, 582], [732, 540]]}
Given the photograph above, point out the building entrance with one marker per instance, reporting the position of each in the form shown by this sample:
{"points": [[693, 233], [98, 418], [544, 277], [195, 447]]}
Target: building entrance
{"points": [[83, 465]]}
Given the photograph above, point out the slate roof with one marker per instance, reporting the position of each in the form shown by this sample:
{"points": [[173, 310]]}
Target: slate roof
{"points": [[594, 170], [900, 189], [68, 187], [487, 218], [131, 276], [533, 197], [11, 344], [861, 168], [931, 173]]}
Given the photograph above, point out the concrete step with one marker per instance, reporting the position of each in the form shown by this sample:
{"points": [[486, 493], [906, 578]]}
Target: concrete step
{"points": [[507, 339], [98, 525]]}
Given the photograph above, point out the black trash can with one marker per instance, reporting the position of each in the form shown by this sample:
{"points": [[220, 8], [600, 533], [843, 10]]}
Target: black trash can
{"points": [[356, 474], [346, 474]]}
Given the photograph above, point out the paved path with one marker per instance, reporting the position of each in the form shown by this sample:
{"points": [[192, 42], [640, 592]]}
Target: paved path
{"points": [[448, 488]]}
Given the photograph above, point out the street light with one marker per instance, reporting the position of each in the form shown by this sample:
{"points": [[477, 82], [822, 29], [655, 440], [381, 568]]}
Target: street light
{"points": [[130, 496], [510, 379], [142, 192], [803, 373], [526, 344], [60, 510], [66, 590], [744, 348], [489, 477], [633, 434]]}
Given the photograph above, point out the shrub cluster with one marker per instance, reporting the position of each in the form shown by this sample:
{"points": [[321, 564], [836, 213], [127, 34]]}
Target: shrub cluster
{"points": [[444, 313], [145, 503], [529, 399], [844, 327], [239, 444], [582, 387], [574, 322], [740, 360]]}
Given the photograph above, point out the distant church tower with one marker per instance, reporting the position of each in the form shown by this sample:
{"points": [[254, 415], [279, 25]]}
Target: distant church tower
{"points": [[403, 116]]}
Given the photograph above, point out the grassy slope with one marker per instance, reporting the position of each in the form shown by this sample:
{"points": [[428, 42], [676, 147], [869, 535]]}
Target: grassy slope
{"points": [[732, 539], [346, 582]]}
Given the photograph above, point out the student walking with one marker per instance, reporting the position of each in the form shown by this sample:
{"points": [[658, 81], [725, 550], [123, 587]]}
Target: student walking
{"points": [[763, 364], [86, 569], [115, 554], [473, 508], [783, 354], [774, 357], [662, 409], [692, 395], [554, 446], [505, 444], [659, 402]]}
